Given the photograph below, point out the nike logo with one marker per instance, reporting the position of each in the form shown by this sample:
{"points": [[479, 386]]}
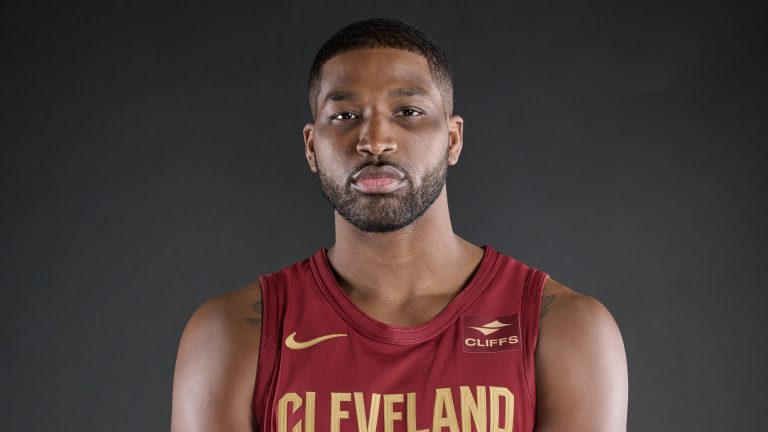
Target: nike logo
{"points": [[292, 343]]}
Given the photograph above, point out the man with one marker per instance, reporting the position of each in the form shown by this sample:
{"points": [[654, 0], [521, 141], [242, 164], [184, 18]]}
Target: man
{"points": [[401, 325]]}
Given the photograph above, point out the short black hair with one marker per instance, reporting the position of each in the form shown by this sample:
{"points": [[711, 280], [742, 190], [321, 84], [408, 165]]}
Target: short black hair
{"points": [[384, 33]]}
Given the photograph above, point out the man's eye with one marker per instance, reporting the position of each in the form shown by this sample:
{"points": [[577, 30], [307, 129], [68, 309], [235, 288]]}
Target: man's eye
{"points": [[410, 112], [344, 116]]}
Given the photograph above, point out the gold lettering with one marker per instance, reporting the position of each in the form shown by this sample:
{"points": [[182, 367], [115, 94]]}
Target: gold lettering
{"points": [[337, 414], [373, 416], [410, 411], [444, 404], [282, 412], [309, 412], [390, 415], [509, 409], [511, 340], [474, 409]]}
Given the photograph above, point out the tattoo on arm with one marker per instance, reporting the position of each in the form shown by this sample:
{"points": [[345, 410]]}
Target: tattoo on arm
{"points": [[546, 301], [255, 320]]}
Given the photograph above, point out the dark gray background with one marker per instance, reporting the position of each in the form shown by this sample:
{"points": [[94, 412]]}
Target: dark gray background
{"points": [[152, 158]]}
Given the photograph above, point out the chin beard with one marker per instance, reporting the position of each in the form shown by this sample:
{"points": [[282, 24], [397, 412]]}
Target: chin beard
{"points": [[385, 212]]}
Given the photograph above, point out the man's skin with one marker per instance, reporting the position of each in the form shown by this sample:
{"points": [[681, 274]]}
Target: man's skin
{"points": [[403, 277]]}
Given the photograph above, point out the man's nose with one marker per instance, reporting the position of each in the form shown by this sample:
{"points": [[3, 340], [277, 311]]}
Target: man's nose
{"points": [[376, 136]]}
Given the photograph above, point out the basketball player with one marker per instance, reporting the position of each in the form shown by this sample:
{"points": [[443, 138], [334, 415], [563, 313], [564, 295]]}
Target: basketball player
{"points": [[401, 325]]}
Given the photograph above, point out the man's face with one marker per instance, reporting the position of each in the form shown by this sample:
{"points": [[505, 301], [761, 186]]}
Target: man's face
{"points": [[381, 142]]}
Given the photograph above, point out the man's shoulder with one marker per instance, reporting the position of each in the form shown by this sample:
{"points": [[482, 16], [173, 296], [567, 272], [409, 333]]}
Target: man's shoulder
{"points": [[216, 362], [575, 325], [231, 310], [580, 364], [225, 328], [562, 303]]}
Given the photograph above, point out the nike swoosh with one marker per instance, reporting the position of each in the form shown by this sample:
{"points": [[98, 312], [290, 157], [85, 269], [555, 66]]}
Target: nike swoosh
{"points": [[291, 343]]}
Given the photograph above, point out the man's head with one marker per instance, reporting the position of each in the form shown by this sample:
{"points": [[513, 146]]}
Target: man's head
{"points": [[384, 33], [381, 140]]}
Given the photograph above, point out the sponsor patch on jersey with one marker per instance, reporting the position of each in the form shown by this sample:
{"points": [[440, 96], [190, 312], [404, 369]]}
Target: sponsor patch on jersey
{"points": [[485, 333]]}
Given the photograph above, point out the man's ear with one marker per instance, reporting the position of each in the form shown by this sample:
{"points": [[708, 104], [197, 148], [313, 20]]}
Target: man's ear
{"points": [[456, 136], [309, 146]]}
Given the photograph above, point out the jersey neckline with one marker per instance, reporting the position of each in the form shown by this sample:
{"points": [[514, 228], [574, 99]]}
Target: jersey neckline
{"points": [[382, 332]]}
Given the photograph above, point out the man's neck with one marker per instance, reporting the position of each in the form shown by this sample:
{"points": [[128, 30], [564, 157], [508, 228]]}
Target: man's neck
{"points": [[424, 259]]}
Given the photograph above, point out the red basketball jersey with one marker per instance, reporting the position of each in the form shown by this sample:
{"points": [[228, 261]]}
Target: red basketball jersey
{"points": [[325, 366]]}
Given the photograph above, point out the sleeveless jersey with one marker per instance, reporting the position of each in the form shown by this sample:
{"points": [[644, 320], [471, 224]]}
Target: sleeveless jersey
{"points": [[326, 366]]}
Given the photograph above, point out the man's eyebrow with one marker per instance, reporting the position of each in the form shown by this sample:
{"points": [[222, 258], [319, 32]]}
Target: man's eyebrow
{"points": [[339, 96], [406, 92], [343, 95]]}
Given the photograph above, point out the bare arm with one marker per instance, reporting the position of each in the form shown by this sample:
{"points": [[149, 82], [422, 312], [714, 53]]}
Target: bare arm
{"points": [[581, 368], [216, 364]]}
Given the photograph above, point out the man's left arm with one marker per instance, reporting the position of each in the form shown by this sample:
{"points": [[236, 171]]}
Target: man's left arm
{"points": [[581, 367]]}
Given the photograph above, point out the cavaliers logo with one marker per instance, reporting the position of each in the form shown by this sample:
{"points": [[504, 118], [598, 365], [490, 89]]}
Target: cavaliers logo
{"points": [[483, 333]]}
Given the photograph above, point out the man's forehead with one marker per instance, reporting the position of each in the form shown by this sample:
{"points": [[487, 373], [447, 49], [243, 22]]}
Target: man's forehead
{"points": [[397, 73], [373, 56]]}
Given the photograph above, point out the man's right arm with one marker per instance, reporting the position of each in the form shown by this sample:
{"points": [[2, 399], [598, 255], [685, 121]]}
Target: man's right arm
{"points": [[216, 364]]}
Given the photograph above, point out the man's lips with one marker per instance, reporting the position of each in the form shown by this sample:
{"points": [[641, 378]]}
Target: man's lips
{"points": [[372, 171], [378, 179]]}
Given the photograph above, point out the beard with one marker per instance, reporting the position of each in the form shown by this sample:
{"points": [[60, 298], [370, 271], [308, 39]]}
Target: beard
{"points": [[385, 212]]}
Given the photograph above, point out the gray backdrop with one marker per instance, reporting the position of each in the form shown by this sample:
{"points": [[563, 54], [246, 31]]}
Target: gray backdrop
{"points": [[152, 157]]}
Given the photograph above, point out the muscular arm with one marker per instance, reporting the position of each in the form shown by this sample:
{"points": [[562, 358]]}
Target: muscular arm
{"points": [[581, 368], [216, 364]]}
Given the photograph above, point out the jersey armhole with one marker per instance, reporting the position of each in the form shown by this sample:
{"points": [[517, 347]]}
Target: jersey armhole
{"points": [[268, 349], [531, 309]]}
